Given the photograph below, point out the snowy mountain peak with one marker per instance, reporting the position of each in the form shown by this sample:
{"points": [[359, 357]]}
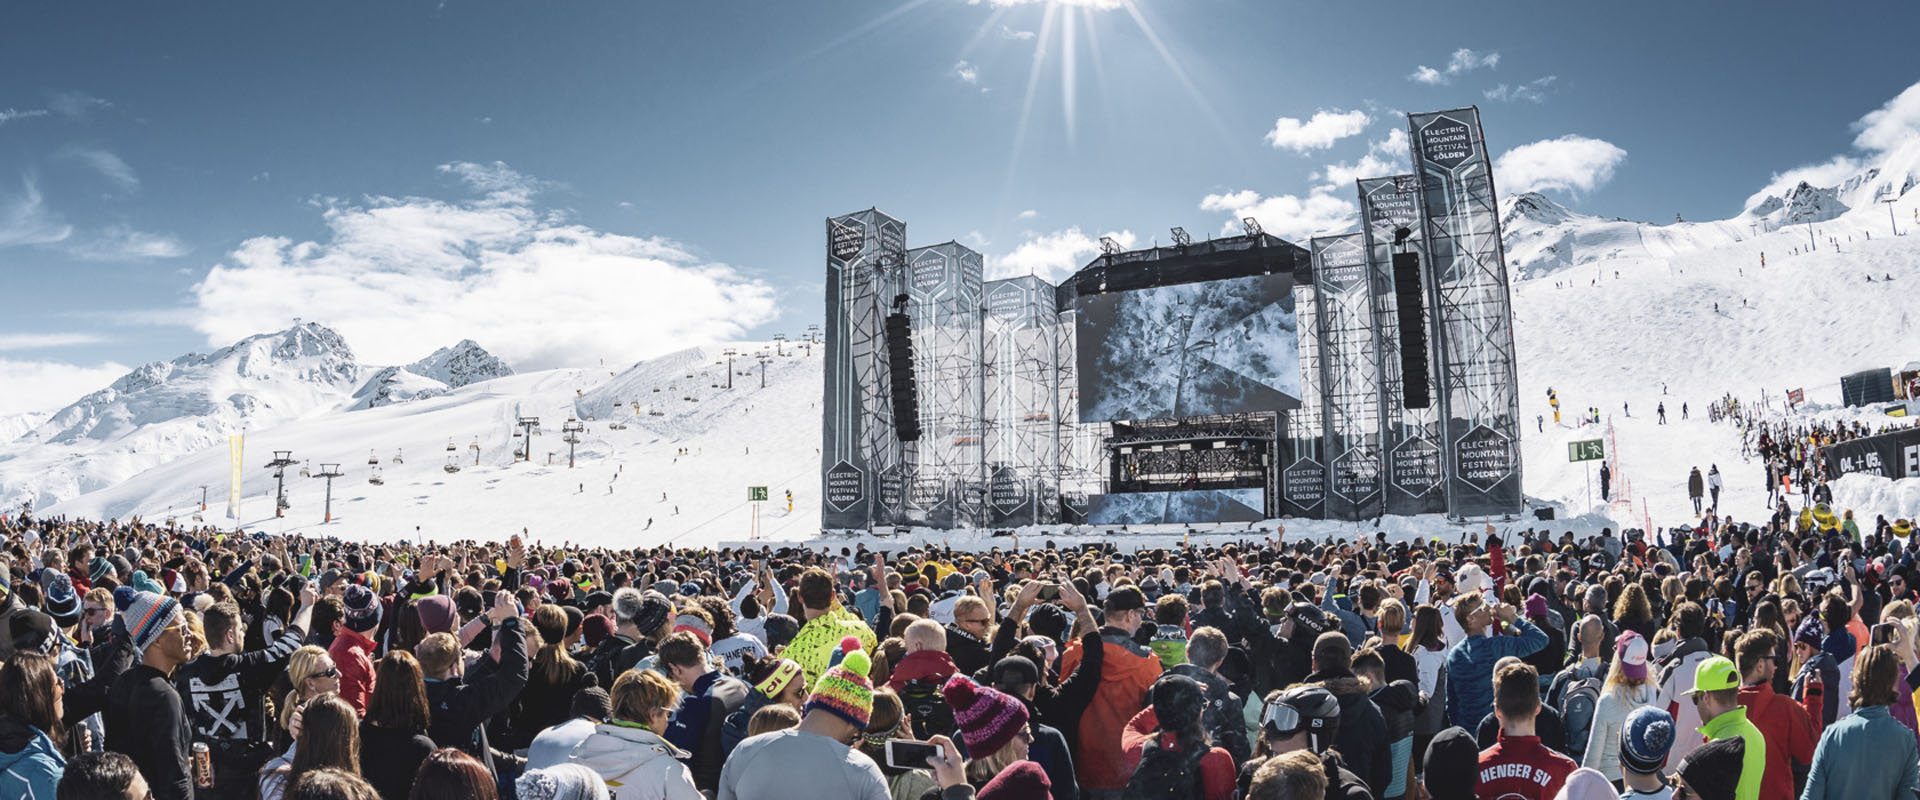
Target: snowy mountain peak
{"points": [[461, 364], [1532, 208]]}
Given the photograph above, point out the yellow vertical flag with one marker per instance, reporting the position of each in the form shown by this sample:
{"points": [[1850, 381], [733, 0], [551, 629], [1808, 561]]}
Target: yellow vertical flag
{"points": [[235, 444]]}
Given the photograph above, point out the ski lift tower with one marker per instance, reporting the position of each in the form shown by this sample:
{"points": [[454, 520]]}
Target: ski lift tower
{"points": [[329, 471], [764, 358], [572, 428], [813, 335], [281, 460], [527, 424], [779, 340], [730, 353]]}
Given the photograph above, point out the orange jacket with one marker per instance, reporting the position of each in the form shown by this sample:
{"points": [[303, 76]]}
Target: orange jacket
{"points": [[1127, 672]]}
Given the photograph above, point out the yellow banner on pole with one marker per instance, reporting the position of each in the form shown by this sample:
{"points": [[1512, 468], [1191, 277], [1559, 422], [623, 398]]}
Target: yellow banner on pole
{"points": [[235, 444]]}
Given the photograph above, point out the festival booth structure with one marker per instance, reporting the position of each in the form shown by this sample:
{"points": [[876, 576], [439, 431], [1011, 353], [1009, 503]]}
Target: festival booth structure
{"points": [[1227, 380]]}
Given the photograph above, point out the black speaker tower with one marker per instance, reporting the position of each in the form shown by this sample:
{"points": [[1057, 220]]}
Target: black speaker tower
{"points": [[1415, 388], [906, 403]]}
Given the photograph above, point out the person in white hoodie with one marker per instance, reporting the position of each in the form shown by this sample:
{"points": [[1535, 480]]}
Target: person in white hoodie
{"points": [[1628, 687], [628, 752]]}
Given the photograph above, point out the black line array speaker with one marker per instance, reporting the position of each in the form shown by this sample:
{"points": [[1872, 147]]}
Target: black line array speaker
{"points": [[1415, 385], [906, 395]]}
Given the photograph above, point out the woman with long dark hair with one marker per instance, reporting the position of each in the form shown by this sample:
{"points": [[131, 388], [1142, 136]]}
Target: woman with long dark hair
{"points": [[1179, 740], [393, 737], [30, 731], [450, 774], [328, 735]]}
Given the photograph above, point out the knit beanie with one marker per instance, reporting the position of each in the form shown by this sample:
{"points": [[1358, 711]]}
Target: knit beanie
{"points": [[61, 601], [844, 691], [591, 700], [595, 629], [121, 565], [561, 782], [1453, 765], [988, 718], [780, 630], [436, 613], [1586, 783], [363, 609], [696, 626], [1713, 769], [147, 615], [646, 613], [141, 583], [98, 568], [1021, 780], [1051, 620], [1811, 632], [32, 632], [1645, 738]]}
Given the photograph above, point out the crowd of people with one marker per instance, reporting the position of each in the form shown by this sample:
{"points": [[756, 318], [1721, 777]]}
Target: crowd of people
{"points": [[1727, 662]]}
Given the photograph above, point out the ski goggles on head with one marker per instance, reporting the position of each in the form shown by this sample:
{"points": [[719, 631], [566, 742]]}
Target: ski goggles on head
{"points": [[1281, 718]]}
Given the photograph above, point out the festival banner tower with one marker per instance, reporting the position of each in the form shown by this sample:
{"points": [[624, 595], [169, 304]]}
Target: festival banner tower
{"points": [[1349, 375], [1390, 216], [1472, 315], [862, 457]]}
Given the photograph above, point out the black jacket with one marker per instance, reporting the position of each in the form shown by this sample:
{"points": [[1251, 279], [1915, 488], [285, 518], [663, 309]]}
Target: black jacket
{"points": [[1362, 739], [146, 722], [970, 654], [459, 709], [226, 698], [1224, 718], [1400, 665], [1342, 784], [389, 759]]}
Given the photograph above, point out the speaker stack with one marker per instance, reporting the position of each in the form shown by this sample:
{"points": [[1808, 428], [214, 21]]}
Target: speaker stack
{"points": [[1415, 384], [906, 404]]}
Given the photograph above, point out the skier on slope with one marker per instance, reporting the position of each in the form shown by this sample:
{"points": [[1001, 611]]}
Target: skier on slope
{"points": [[1713, 483], [1696, 488], [1662, 411]]}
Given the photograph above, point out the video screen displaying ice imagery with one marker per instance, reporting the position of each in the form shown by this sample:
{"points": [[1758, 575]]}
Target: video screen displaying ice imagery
{"points": [[1219, 347], [1154, 508]]}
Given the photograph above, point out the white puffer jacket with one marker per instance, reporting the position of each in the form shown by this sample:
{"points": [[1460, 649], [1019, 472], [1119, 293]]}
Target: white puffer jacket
{"points": [[636, 763]]}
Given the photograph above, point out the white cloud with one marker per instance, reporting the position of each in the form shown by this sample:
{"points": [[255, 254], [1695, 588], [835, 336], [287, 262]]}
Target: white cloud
{"points": [[25, 219], [41, 341], [1464, 60], [1318, 132], [110, 166], [1384, 158], [502, 183], [1009, 33], [1029, 214], [976, 240], [967, 73], [50, 385], [1286, 216], [400, 276], [1533, 91], [1890, 125], [1571, 163], [75, 104], [1053, 256], [1100, 5], [10, 114], [121, 243]]}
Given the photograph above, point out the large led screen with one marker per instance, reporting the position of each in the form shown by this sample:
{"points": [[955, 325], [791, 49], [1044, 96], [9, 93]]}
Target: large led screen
{"points": [[1219, 347]]}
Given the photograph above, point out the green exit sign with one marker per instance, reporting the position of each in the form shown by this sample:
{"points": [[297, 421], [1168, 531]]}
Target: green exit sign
{"points": [[1589, 450], [756, 494]]}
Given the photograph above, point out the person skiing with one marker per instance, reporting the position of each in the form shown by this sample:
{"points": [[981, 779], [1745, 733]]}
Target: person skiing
{"points": [[1683, 405], [1696, 487]]}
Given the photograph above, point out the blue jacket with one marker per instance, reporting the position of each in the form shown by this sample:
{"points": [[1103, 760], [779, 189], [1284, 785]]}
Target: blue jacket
{"points": [[1868, 754], [1470, 670], [1341, 607], [30, 766]]}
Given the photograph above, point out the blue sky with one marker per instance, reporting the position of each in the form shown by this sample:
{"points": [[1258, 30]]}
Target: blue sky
{"points": [[573, 181]]}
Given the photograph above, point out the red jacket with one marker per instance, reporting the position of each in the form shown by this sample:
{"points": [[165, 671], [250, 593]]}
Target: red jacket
{"points": [[934, 664], [1518, 768], [1127, 671], [352, 655], [1218, 774], [1788, 729]]}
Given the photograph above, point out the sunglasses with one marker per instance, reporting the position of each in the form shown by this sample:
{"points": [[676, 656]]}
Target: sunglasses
{"points": [[330, 672]]}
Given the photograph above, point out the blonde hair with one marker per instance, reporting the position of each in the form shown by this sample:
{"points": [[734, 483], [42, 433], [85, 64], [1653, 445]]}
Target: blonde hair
{"points": [[981, 770], [301, 666], [637, 692], [437, 654], [772, 718], [1393, 617]]}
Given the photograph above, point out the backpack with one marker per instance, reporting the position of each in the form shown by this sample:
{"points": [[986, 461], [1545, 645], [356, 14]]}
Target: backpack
{"points": [[931, 715], [1577, 704], [1165, 773]]}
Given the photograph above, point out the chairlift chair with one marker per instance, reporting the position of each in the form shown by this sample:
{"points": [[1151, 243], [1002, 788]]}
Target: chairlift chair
{"points": [[372, 460], [305, 469], [396, 456]]}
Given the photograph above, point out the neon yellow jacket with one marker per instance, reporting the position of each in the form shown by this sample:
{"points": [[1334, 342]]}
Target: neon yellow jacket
{"points": [[1753, 764]]}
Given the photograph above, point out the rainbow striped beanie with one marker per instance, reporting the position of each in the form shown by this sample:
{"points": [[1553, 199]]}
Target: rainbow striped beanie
{"points": [[845, 691]]}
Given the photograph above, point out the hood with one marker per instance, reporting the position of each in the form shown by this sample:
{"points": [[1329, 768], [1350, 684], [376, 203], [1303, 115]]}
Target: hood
{"points": [[1341, 686], [615, 750], [1397, 695], [19, 741], [923, 664]]}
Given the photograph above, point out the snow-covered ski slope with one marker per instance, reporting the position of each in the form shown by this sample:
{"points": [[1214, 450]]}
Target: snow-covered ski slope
{"points": [[736, 438]]}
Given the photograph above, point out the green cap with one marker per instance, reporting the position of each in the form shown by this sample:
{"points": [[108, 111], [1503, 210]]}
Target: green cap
{"points": [[1713, 675]]}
